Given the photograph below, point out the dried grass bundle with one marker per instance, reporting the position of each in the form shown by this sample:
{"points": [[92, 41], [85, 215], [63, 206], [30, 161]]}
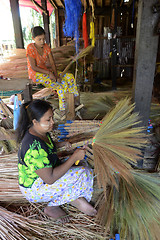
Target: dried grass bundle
{"points": [[132, 209], [9, 190]]}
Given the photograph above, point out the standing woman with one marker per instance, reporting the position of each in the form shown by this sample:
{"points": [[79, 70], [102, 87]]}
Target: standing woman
{"points": [[42, 177], [42, 69]]}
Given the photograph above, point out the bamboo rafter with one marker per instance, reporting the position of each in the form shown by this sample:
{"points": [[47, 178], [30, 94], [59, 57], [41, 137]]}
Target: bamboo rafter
{"points": [[53, 3]]}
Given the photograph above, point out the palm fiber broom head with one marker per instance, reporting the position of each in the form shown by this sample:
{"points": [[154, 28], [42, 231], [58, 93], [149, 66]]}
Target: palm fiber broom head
{"points": [[117, 144], [132, 209]]}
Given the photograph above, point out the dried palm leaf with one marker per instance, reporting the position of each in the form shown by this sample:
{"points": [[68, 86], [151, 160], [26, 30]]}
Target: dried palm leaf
{"points": [[132, 209]]}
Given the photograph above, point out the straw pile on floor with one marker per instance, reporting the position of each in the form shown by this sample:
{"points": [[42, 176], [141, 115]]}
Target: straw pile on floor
{"points": [[19, 226]]}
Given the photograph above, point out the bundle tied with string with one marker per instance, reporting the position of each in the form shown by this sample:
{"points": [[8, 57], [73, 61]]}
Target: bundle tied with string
{"points": [[72, 19]]}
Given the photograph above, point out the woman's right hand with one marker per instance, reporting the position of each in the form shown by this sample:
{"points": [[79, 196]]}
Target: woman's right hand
{"points": [[52, 77], [79, 154]]}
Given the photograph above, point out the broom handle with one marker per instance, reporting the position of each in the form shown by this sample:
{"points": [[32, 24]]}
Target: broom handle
{"points": [[78, 144]]}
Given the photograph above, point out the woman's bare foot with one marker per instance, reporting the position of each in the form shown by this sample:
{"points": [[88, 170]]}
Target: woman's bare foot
{"points": [[84, 206], [56, 213]]}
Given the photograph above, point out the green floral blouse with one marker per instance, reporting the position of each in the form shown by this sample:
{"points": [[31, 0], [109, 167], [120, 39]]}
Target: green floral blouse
{"points": [[35, 154]]}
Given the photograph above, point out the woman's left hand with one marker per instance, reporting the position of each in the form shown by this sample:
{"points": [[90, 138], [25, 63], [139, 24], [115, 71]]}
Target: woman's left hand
{"points": [[68, 146]]}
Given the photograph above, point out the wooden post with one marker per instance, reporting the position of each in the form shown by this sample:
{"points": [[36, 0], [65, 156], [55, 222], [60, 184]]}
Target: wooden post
{"points": [[46, 21], [27, 93], [57, 27], [114, 48], [145, 59], [17, 23], [70, 106]]}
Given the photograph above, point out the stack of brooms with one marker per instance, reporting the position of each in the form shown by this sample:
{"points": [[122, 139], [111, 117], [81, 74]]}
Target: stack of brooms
{"points": [[128, 199]]}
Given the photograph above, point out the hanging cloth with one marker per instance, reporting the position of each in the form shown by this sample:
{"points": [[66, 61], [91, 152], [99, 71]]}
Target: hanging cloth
{"points": [[85, 33], [92, 33]]}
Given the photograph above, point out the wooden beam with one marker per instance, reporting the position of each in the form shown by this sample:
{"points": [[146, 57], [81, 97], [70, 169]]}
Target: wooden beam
{"points": [[145, 59], [61, 12], [102, 3], [46, 21], [102, 11], [70, 106], [17, 23], [39, 6], [87, 1]]}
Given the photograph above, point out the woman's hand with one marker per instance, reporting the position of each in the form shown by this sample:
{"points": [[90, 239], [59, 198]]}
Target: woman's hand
{"points": [[59, 80], [52, 77], [79, 154], [68, 146]]}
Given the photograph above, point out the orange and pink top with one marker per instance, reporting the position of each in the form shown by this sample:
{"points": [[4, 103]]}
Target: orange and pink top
{"points": [[41, 60]]}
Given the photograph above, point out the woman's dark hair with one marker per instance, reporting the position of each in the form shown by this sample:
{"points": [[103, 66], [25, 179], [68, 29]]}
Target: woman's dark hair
{"points": [[37, 31], [29, 111]]}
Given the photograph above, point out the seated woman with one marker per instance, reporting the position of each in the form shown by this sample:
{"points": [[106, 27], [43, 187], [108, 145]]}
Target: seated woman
{"points": [[39, 57], [42, 177]]}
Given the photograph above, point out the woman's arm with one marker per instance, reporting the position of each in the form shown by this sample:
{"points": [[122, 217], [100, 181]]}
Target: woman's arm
{"points": [[53, 66], [41, 70], [50, 175]]}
